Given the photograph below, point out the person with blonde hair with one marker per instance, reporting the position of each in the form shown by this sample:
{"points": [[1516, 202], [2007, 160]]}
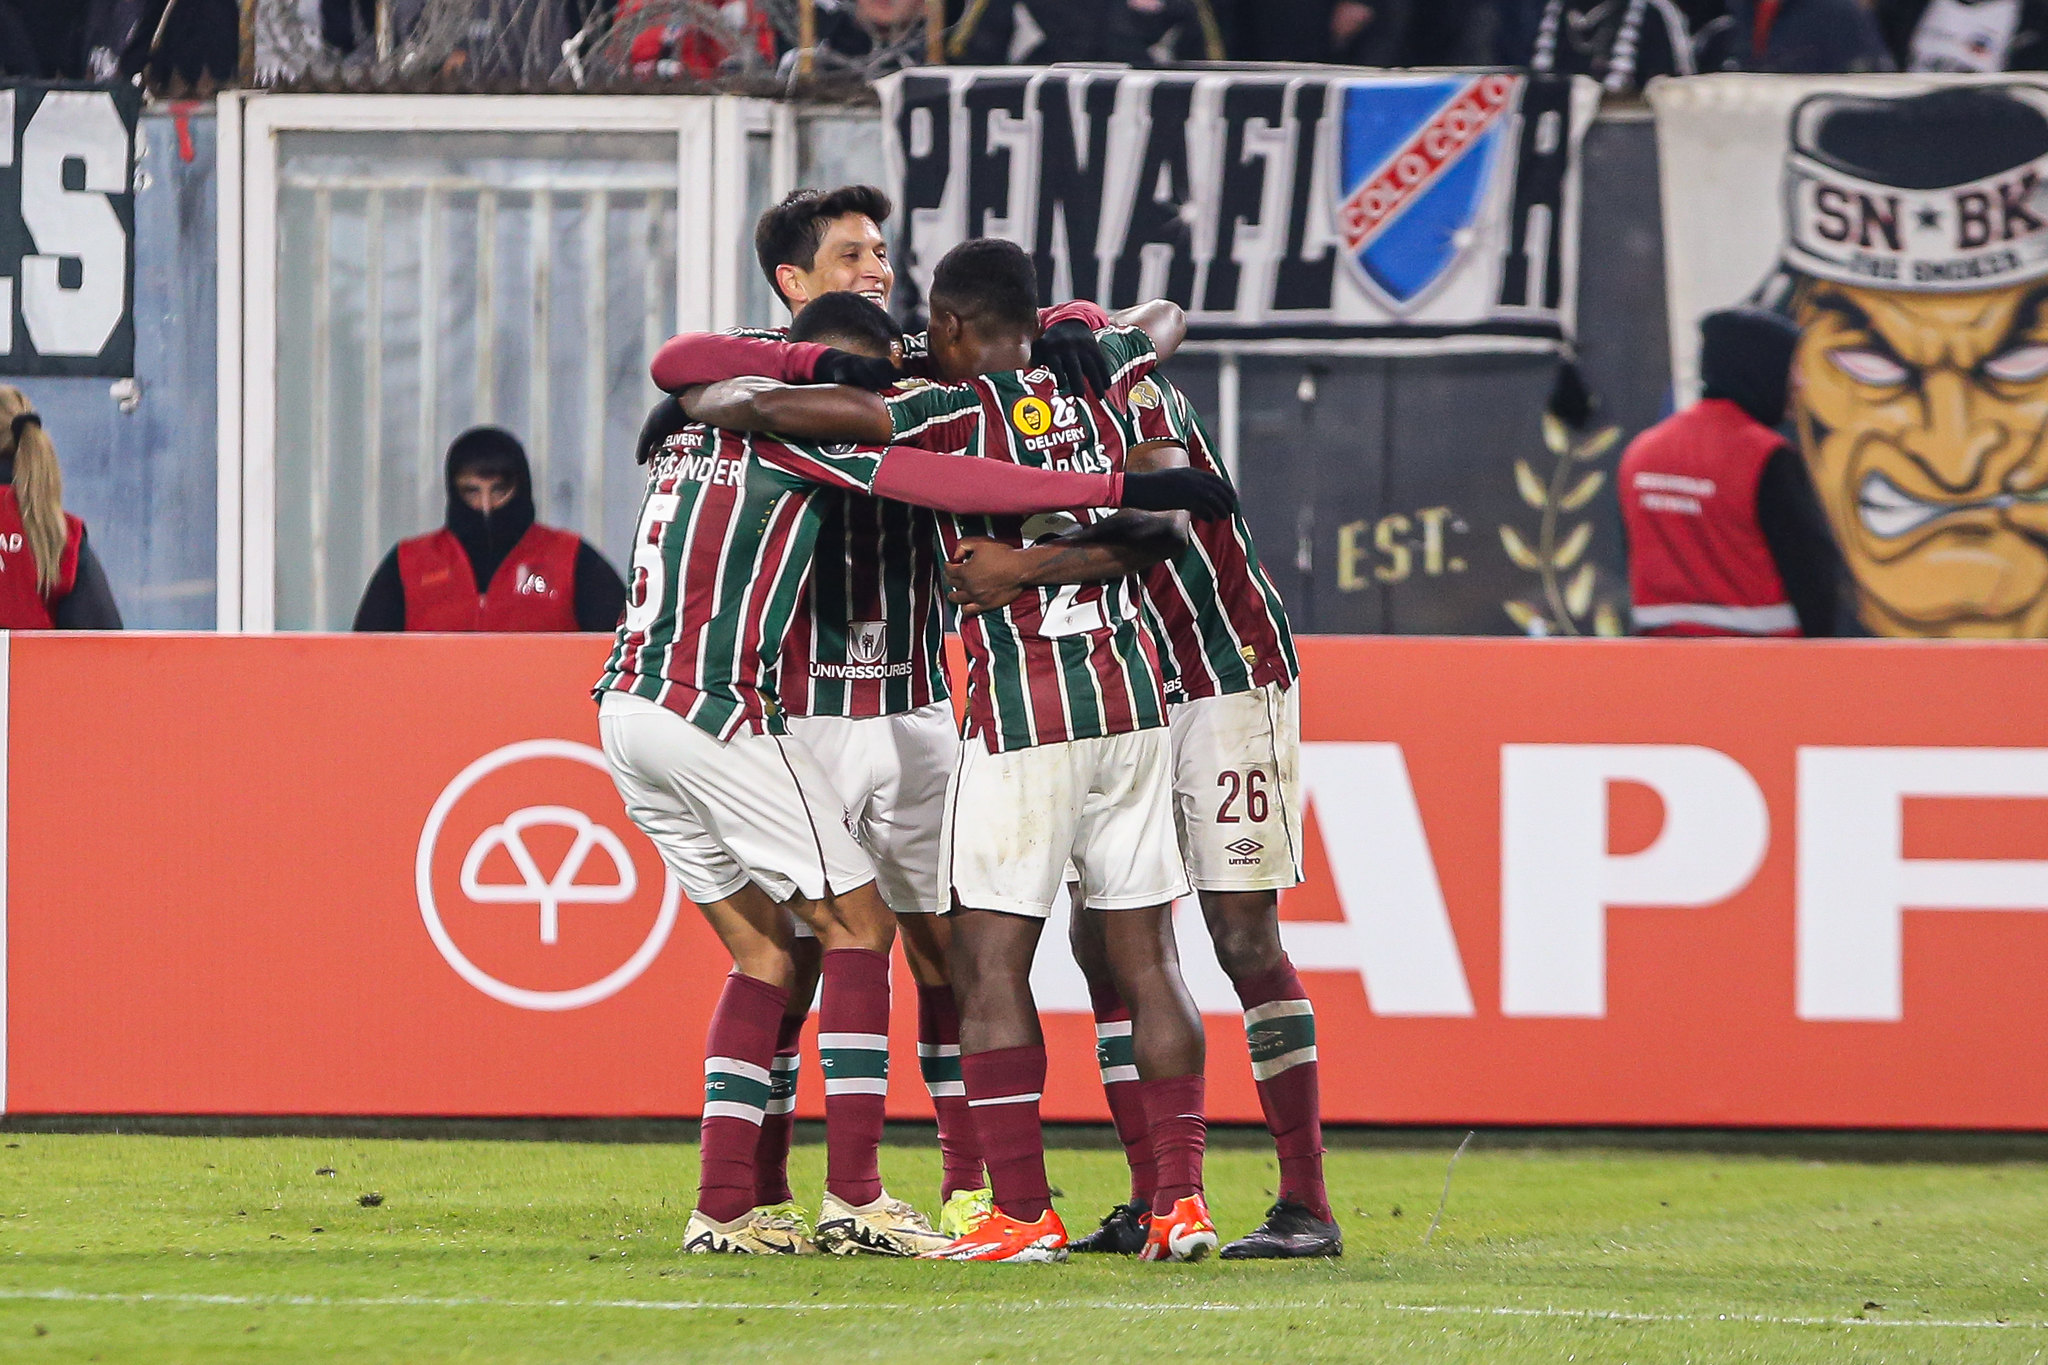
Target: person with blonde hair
{"points": [[49, 576]]}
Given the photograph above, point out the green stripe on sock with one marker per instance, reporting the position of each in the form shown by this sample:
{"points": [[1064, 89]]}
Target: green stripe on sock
{"points": [[1274, 1037], [725, 1087], [1115, 1050], [858, 1063]]}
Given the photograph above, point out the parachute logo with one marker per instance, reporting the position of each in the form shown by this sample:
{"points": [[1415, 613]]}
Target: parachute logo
{"points": [[550, 894], [575, 881]]}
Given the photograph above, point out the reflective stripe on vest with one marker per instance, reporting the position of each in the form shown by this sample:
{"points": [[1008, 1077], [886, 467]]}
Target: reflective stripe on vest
{"points": [[1777, 619]]}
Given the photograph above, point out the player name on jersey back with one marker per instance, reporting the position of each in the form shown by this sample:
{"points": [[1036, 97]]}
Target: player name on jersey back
{"points": [[722, 554]]}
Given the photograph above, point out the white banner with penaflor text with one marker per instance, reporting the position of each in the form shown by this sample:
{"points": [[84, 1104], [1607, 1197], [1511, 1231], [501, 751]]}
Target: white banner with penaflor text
{"points": [[1302, 208]]}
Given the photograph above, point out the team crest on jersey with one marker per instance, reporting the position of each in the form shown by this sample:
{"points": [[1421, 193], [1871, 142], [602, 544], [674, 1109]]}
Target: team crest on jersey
{"points": [[1416, 164], [866, 641], [1145, 394], [1032, 416]]}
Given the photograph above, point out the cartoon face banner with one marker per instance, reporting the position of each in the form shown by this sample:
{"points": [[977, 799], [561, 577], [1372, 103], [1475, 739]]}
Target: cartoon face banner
{"points": [[1381, 212], [1903, 223]]}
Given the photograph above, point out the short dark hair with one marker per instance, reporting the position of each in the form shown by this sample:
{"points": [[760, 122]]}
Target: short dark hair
{"points": [[845, 319], [790, 233], [987, 277]]}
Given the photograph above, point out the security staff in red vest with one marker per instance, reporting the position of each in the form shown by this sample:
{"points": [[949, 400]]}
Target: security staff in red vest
{"points": [[492, 567], [1725, 534], [49, 576]]}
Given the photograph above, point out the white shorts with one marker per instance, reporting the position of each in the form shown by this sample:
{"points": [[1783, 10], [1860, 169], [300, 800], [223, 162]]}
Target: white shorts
{"points": [[1237, 788], [1014, 821], [891, 774], [755, 808]]}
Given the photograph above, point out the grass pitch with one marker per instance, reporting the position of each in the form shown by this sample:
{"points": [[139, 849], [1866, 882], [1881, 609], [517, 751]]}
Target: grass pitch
{"points": [[133, 1248]]}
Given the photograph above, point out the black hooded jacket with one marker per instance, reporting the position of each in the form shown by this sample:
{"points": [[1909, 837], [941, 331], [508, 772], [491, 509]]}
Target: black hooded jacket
{"points": [[486, 539], [1746, 358]]}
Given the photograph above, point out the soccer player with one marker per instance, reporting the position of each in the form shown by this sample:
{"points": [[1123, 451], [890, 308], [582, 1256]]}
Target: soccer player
{"points": [[697, 741], [1067, 756], [1228, 657], [862, 681]]}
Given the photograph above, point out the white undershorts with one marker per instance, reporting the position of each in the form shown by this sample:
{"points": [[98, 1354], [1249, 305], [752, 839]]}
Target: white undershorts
{"points": [[754, 808], [891, 774], [1237, 788], [1014, 822]]}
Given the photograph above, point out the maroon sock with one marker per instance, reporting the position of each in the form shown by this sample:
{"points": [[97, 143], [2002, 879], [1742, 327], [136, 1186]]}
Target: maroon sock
{"points": [[1119, 1065], [1003, 1090], [853, 1048], [1280, 1024], [737, 1053], [938, 1057], [771, 1157], [1179, 1133]]}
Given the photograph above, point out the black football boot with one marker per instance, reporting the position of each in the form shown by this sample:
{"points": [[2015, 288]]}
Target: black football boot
{"points": [[1289, 1232], [1122, 1233]]}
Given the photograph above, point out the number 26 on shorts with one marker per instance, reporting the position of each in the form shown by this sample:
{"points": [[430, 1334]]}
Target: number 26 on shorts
{"points": [[1244, 791]]}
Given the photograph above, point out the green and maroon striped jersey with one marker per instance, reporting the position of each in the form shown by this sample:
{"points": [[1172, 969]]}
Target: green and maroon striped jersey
{"points": [[869, 638], [721, 558], [1218, 622], [1061, 663]]}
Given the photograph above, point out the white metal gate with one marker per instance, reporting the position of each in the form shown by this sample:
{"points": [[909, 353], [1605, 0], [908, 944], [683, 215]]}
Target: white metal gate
{"points": [[403, 267]]}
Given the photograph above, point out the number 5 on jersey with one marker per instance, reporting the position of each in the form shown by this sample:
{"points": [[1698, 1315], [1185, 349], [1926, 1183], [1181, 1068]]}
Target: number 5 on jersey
{"points": [[650, 566]]}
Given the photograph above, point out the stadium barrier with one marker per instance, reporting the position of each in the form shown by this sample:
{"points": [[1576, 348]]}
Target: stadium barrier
{"points": [[1580, 882]]}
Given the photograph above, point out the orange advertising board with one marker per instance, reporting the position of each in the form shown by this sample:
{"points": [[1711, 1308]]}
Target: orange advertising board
{"points": [[1559, 882]]}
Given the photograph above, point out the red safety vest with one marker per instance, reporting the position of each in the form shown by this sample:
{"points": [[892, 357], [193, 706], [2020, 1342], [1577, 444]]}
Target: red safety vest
{"points": [[22, 605], [534, 589], [1698, 562]]}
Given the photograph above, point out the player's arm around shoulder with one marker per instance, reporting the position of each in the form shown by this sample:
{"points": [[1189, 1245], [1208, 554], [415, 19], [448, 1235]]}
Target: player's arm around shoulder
{"points": [[984, 575], [807, 412]]}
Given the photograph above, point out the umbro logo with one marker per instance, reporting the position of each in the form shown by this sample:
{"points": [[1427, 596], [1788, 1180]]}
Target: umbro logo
{"points": [[1245, 848]]}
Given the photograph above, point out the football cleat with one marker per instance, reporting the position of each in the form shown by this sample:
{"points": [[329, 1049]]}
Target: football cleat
{"points": [[1186, 1234], [963, 1209], [999, 1237], [758, 1232], [791, 1213], [887, 1227], [1122, 1232], [1289, 1232]]}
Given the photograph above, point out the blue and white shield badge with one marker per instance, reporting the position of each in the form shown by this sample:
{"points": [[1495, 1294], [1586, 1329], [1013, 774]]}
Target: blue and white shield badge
{"points": [[1416, 163]]}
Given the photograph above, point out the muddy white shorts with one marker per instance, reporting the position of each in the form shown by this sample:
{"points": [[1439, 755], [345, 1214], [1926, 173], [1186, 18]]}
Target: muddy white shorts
{"points": [[891, 774], [1014, 821], [755, 808], [1237, 788]]}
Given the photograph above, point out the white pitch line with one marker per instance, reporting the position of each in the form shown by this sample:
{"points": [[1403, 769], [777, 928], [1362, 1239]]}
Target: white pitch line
{"points": [[1030, 1306], [1613, 1315]]}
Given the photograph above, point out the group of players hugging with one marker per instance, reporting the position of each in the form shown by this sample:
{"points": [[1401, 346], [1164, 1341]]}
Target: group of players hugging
{"points": [[776, 715]]}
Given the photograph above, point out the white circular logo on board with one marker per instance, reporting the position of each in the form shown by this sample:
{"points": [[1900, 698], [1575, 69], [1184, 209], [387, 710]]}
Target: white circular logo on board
{"points": [[522, 868]]}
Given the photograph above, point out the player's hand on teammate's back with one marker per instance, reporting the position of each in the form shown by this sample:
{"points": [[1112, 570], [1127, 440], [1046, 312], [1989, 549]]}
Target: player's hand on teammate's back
{"points": [[1069, 349], [856, 371], [1203, 495], [986, 575]]}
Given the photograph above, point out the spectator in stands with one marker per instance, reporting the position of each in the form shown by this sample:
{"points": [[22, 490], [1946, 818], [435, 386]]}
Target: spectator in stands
{"points": [[18, 53], [49, 576], [873, 36], [1966, 35], [492, 566], [676, 44], [1035, 32], [200, 44], [1794, 36], [1725, 533], [1361, 32], [1620, 43]]}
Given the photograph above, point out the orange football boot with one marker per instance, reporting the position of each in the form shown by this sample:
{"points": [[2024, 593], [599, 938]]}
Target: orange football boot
{"points": [[1186, 1234], [999, 1237]]}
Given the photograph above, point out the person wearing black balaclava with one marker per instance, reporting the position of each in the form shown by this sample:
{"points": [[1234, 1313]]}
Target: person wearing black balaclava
{"points": [[492, 567], [1725, 533]]}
